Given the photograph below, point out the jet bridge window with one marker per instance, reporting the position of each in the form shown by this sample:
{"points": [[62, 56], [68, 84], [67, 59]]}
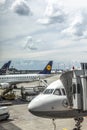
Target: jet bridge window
{"points": [[76, 88], [48, 91], [57, 92]]}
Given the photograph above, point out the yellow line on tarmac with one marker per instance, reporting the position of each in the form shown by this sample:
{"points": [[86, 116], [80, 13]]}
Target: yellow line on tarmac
{"points": [[65, 129]]}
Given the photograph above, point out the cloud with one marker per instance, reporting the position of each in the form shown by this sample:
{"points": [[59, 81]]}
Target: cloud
{"points": [[77, 27], [64, 27], [53, 14], [2, 2], [71, 23], [31, 44], [84, 51], [21, 7]]}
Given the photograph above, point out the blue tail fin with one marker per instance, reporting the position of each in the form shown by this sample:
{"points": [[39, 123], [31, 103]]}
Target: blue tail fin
{"points": [[6, 65], [47, 69]]}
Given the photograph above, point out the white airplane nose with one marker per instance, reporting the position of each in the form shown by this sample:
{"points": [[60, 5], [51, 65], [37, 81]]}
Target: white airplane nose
{"points": [[34, 105], [34, 108], [31, 107], [39, 106]]}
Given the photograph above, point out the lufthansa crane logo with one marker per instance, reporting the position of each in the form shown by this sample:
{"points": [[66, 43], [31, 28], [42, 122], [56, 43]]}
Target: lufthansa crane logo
{"points": [[48, 67]]}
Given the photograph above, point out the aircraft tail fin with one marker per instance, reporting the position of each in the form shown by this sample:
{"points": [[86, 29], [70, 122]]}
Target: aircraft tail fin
{"points": [[47, 69], [6, 65]]}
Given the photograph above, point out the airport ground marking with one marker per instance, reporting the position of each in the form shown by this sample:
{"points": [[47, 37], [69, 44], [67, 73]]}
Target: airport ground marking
{"points": [[65, 129]]}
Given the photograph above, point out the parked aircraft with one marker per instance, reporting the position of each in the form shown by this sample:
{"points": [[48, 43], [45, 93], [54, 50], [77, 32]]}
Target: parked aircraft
{"points": [[8, 80], [5, 67], [53, 103]]}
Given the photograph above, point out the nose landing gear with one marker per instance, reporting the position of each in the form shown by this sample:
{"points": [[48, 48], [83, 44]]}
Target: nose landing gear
{"points": [[54, 124], [78, 121]]}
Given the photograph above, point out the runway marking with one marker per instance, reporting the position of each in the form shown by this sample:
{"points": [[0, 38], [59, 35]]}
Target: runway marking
{"points": [[65, 129]]}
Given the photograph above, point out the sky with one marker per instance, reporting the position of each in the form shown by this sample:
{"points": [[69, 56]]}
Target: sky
{"points": [[43, 30]]}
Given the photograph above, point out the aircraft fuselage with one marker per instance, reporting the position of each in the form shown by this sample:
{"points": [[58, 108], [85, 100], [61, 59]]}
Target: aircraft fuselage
{"points": [[53, 103]]}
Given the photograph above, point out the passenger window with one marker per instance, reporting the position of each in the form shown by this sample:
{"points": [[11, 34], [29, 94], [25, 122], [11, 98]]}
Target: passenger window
{"points": [[57, 92]]}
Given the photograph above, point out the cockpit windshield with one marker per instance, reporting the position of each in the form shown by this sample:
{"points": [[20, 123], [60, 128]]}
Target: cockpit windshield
{"points": [[57, 92], [48, 91], [63, 91]]}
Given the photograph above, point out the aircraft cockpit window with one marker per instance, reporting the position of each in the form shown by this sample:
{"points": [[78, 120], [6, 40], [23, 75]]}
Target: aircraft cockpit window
{"points": [[63, 91], [48, 91], [57, 92]]}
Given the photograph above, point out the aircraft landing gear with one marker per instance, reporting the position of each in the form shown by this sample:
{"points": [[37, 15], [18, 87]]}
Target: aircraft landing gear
{"points": [[78, 121], [54, 124]]}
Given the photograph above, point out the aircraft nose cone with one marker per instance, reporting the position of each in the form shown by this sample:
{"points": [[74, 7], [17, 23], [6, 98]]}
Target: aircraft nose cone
{"points": [[37, 106], [34, 105], [31, 107], [34, 109]]}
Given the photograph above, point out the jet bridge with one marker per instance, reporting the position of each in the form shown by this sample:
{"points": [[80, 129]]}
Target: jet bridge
{"points": [[84, 95], [66, 79], [77, 91], [75, 83]]}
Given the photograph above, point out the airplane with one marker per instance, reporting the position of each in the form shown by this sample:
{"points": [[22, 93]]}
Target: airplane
{"points": [[53, 103], [5, 67], [9, 80]]}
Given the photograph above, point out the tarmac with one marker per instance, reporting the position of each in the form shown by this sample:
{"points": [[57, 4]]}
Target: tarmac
{"points": [[22, 119]]}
